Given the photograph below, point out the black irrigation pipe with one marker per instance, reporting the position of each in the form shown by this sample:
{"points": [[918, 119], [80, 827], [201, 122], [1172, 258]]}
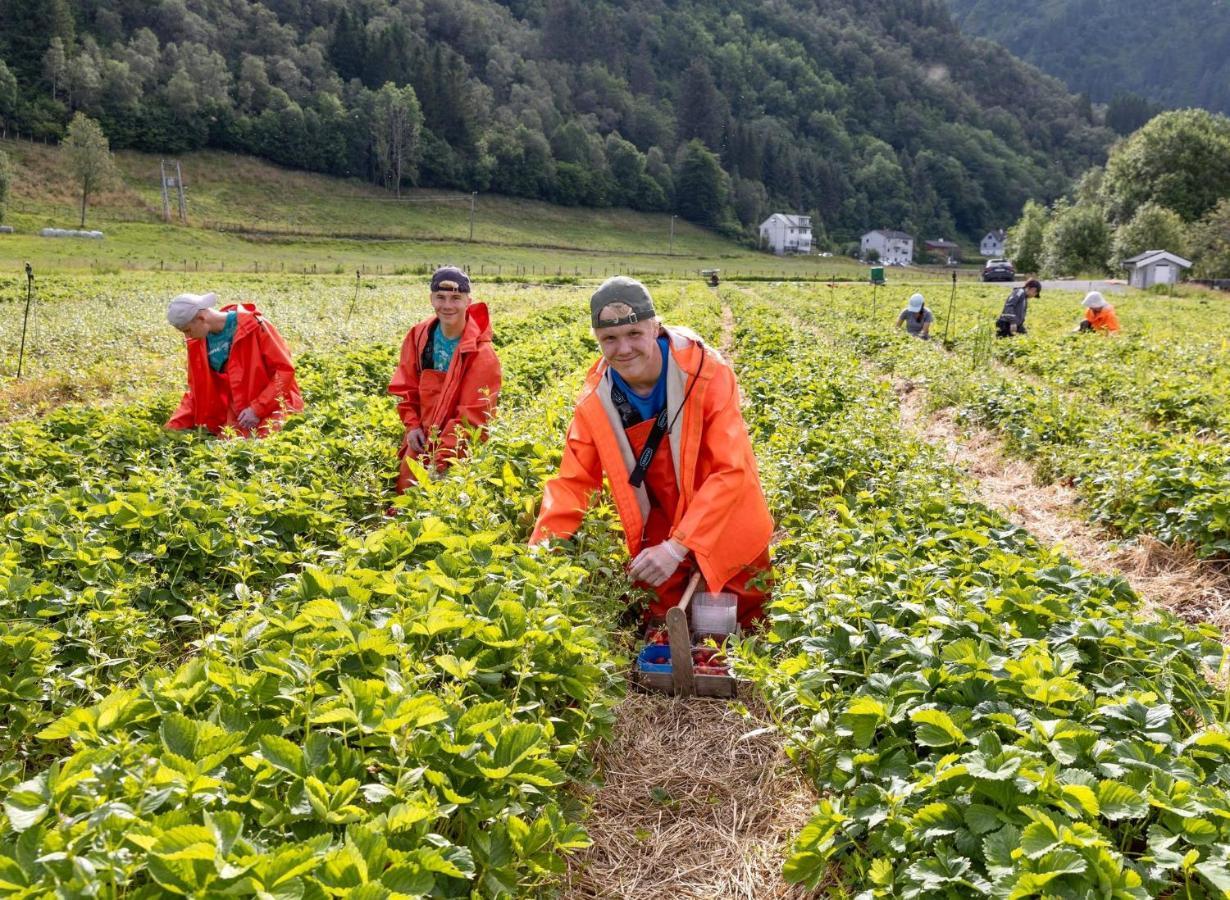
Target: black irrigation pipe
{"points": [[952, 304], [358, 279], [25, 321]]}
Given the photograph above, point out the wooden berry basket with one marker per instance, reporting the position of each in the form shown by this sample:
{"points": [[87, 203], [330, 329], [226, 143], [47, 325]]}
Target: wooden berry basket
{"points": [[683, 680]]}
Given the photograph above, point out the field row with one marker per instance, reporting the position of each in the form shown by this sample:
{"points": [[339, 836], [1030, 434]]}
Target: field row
{"points": [[1138, 467], [981, 717], [300, 695], [396, 704]]}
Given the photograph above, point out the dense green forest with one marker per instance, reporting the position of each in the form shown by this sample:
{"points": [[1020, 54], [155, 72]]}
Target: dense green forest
{"points": [[1166, 186], [1176, 55], [864, 115]]}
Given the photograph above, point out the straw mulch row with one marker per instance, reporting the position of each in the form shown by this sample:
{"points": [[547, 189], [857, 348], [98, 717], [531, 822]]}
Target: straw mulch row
{"points": [[696, 800]]}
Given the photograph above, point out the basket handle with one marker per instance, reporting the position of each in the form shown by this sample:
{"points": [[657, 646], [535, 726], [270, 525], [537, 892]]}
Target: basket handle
{"points": [[693, 584], [681, 641]]}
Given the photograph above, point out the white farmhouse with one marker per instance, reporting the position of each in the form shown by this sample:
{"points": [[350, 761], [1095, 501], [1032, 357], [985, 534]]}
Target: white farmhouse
{"points": [[783, 233], [993, 244], [891, 246], [1155, 267]]}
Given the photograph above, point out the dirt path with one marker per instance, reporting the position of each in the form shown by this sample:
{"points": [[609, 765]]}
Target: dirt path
{"points": [[698, 802], [728, 329], [1195, 590]]}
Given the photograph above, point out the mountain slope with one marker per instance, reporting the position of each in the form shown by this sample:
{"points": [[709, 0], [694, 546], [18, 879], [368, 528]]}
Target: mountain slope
{"points": [[1178, 55], [721, 112]]}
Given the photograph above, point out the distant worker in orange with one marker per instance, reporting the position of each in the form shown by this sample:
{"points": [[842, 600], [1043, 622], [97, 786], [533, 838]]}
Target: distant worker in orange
{"points": [[240, 375], [659, 418], [448, 378], [1099, 315]]}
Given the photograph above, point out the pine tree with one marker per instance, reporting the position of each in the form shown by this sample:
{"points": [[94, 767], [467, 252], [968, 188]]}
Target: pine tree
{"points": [[700, 187], [348, 49], [27, 28], [701, 110]]}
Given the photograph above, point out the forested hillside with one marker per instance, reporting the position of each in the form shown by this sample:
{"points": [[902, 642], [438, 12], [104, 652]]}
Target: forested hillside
{"points": [[1177, 54], [864, 115]]}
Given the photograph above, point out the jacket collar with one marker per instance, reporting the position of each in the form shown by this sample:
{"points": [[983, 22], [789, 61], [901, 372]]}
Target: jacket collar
{"points": [[476, 331], [250, 318]]}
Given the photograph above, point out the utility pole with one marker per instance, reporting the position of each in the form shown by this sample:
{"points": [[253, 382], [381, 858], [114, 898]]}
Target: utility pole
{"points": [[671, 252], [183, 203], [473, 197], [166, 200], [173, 181]]}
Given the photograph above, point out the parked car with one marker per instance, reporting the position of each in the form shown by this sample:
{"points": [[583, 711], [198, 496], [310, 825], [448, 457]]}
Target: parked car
{"points": [[998, 270]]}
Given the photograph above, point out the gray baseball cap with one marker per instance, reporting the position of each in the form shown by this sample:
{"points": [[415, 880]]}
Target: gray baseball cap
{"points": [[186, 307], [625, 290]]}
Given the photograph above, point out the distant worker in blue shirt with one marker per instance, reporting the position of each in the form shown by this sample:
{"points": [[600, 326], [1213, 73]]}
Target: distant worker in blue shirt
{"points": [[916, 318]]}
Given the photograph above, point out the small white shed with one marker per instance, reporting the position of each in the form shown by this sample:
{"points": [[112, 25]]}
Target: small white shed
{"points": [[1155, 267]]}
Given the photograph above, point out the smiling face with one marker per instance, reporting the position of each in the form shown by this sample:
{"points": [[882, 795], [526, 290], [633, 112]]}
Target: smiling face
{"points": [[631, 350], [450, 308]]}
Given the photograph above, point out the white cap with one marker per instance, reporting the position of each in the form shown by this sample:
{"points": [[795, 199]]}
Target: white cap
{"points": [[1094, 300], [916, 303], [184, 308]]}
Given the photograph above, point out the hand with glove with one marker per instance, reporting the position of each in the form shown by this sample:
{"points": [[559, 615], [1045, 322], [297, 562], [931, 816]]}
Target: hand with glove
{"points": [[655, 565], [415, 440], [247, 420]]}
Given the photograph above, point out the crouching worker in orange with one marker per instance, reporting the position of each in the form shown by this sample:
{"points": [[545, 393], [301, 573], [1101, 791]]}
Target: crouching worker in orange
{"points": [[1099, 315], [240, 375], [448, 378], [659, 417]]}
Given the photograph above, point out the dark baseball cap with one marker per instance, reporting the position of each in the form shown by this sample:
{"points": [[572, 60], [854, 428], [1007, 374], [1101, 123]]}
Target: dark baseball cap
{"points": [[450, 278], [625, 290]]}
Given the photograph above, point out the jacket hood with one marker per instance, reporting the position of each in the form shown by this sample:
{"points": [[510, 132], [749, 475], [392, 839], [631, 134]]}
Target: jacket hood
{"points": [[478, 324], [247, 323], [477, 329]]}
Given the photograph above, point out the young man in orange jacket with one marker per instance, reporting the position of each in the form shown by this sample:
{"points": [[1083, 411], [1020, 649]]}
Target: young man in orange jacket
{"points": [[659, 417], [240, 375], [448, 378]]}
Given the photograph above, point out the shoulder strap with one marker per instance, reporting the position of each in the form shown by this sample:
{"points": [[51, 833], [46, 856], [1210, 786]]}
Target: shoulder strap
{"points": [[426, 358], [661, 425]]}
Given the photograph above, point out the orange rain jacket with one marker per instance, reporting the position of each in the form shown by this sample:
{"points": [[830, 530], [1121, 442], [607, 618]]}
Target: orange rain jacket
{"points": [[722, 516], [439, 402], [258, 373], [1103, 319]]}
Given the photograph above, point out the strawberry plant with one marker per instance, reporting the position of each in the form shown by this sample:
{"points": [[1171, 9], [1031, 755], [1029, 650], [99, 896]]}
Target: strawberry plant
{"points": [[1090, 411], [981, 717], [234, 675]]}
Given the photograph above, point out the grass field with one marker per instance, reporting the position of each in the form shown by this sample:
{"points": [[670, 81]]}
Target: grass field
{"points": [[248, 215]]}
